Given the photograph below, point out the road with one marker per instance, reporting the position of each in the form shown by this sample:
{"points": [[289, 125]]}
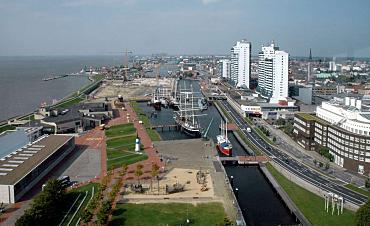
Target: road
{"points": [[292, 165]]}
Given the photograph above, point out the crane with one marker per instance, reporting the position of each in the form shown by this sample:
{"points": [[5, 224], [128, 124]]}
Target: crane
{"points": [[125, 62]]}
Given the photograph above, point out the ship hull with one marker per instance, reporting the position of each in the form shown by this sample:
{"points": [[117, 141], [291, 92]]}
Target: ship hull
{"points": [[157, 106], [224, 151], [191, 133]]}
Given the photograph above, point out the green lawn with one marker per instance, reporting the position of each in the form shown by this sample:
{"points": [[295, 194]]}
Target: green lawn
{"points": [[208, 214], [118, 142], [74, 194], [249, 121], [120, 130], [153, 134], [125, 159], [121, 148], [249, 143], [69, 103], [311, 205], [224, 112], [7, 127], [359, 190]]}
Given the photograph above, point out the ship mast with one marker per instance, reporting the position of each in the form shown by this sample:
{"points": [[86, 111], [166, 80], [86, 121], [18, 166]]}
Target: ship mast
{"points": [[226, 129]]}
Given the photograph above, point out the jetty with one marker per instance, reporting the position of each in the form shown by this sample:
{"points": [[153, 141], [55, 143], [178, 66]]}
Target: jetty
{"points": [[243, 160]]}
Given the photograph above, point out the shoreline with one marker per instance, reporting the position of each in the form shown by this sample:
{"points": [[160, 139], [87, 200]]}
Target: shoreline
{"points": [[83, 90]]}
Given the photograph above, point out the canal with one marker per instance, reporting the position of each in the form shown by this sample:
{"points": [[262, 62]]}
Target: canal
{"points": [[259, 202]]}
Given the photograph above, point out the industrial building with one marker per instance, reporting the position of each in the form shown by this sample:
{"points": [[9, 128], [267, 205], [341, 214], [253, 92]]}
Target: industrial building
{"points": [[24, 165], [343, 126]]}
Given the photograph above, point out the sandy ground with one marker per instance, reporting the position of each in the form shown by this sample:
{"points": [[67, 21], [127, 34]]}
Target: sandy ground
{"points": [[185, 177], [135, 88]]}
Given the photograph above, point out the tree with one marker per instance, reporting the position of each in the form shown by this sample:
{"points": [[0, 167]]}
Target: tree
{"points": [[367, 183], [86, 216], [324, 151], [154, 173], [139, 172], [363, 215], [124, 170], [45, 208], [327, 165]]}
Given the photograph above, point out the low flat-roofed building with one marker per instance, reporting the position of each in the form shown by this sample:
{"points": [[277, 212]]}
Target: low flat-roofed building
{"points": [[259, 107], [76, 118], [23, 168]]}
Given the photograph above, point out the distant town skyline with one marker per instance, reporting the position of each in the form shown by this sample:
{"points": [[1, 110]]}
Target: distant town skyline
{"points": [[92, 27]]}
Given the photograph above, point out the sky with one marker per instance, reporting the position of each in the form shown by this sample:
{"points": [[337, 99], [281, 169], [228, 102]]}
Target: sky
{"points": [[99, 27]]}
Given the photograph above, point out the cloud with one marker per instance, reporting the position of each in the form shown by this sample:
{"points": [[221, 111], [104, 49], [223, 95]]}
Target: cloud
{"points": [[207, 2]]}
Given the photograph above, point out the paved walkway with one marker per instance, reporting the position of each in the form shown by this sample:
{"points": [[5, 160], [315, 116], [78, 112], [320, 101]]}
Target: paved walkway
{"points": [[95, 139]]}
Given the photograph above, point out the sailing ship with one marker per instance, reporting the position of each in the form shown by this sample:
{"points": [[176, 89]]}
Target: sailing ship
{"points": [[224, 146], [186, 116], [156, 102]]}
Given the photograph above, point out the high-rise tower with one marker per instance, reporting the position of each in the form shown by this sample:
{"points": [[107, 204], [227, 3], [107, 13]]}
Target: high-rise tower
{"points": [[241, 63], [273, 72]]}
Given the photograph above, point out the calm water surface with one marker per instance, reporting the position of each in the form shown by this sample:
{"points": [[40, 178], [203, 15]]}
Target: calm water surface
{"points": [[22, 89]]}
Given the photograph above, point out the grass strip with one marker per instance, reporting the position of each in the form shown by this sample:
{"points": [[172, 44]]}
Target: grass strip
{"points": [[205, 214], [310, 204]]}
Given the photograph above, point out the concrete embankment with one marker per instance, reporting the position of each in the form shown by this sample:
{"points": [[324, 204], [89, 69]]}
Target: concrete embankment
{"points": [[306, 185], [285, 197]]}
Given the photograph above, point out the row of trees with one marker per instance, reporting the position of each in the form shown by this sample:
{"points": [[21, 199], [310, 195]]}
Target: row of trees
{"points": [[46, 207], [265, 131]]}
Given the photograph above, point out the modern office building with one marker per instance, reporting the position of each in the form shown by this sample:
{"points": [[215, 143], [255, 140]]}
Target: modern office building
{"points": [[225, 68], [343, 126], [22, 167], [273, 71], [241, 63]]}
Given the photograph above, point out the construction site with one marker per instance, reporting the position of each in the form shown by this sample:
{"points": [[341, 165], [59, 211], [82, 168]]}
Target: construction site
{"points": [[140, 88]]}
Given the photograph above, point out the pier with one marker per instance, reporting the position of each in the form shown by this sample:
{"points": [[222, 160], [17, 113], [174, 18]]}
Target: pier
{"points": [[163, 127], [243, 160]]}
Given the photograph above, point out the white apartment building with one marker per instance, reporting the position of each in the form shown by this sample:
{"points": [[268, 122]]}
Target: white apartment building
{"points": [[241, 63], [225, 67], [273, 66]]}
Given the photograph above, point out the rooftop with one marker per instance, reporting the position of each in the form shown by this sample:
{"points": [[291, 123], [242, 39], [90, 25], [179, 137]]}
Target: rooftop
{"points": [[23, 160], [312, 117], [12, 141]]}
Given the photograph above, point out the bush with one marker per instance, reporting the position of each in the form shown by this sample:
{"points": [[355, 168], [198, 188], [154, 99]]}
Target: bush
{"points": [[367, 183], [363, 215]]}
